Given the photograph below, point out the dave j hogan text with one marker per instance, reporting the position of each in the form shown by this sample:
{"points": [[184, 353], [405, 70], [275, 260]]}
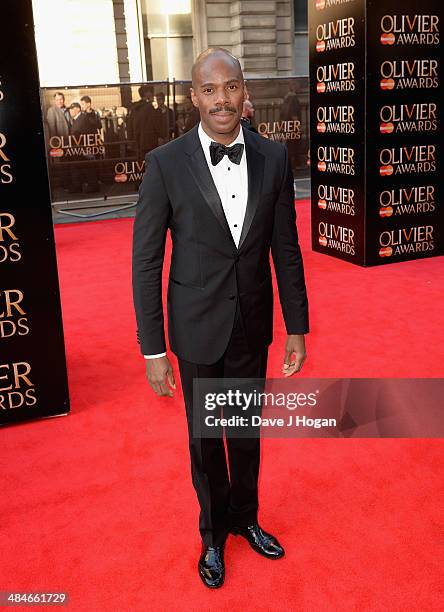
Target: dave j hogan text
{"points": [[255, 420]]}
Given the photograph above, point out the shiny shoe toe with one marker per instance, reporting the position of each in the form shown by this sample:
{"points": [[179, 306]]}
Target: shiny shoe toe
{"points": [[262, 542], [211, 566]]}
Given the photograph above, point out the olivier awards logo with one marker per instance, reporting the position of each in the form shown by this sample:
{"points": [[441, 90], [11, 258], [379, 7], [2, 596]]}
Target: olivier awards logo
{"points": [[339, 34], [334, 78], [337, 237], [407, 201], [409, 74], [325, 4], [408, 118], [336, 119], [413, 159], [13, 320], [82, 145], [336, 199], [129, 171], [16, 386], [6, 175], [339, 160], [406, 241], [9, 243], [409, 30], [280, 130]]}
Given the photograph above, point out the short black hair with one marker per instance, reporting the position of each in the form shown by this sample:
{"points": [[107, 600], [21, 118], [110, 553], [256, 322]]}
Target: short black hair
{"points": [[59, 93], [75, 105], [145, 89], [86, 99]]}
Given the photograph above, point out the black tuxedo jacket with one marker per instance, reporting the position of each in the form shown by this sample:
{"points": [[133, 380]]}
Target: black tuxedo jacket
{"points": [[208, 272]]}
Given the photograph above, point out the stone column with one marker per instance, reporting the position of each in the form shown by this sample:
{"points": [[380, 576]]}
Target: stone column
{"points": [[121, 41], [258, 32], [253, 27]]}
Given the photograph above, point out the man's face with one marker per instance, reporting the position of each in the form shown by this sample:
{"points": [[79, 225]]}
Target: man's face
{"points": [[74, 112], [59, 101], [160, 100], [85, 105], [218, 92]]}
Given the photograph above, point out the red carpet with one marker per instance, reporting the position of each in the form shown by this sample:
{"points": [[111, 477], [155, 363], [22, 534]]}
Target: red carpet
{"points": [[100, 503]]}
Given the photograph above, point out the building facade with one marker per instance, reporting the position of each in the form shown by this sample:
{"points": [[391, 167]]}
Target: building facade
{"points": [[86, 42]]}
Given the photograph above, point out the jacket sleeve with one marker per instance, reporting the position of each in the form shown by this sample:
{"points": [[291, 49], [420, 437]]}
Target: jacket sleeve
{"points": [[149, 235], [287, 257]]}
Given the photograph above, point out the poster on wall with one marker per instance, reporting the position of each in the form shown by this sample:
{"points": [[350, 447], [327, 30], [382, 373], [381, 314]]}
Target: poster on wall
{"points": [[33, 378]]}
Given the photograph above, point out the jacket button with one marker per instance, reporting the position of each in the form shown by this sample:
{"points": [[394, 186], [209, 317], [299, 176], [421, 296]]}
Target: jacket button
{"points": [[232, 297]]}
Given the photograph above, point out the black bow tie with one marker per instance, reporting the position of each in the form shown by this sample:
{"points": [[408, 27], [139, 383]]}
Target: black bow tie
{"points": [[217, 151]]}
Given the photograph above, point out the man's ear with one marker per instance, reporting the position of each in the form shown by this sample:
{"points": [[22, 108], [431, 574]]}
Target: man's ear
{"points": [[194, 98], [246, 94]]}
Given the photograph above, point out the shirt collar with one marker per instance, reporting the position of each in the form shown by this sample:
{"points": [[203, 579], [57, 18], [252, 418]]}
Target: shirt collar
{"points": [[205, 140]]}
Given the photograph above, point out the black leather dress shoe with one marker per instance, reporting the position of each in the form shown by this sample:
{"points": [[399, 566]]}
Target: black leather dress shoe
{"points": [[211, 566], [260, 541]]}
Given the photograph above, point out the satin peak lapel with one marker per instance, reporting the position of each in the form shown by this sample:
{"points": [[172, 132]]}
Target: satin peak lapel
{"points": [[199, 170], [255, 168]]}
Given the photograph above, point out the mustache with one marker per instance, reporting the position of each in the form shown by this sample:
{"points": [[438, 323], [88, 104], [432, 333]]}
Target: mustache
{"points": [[229, 109]]}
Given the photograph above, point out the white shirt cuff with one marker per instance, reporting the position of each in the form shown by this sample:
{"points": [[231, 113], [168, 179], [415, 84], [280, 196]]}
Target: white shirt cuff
{"points": [[154, 356]]}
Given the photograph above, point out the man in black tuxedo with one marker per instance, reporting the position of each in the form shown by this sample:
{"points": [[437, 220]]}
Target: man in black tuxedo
{"points": [[227, 196]]}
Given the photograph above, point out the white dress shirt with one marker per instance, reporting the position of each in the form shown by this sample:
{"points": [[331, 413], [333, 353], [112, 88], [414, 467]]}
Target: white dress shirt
{"points": [[231, 181]]}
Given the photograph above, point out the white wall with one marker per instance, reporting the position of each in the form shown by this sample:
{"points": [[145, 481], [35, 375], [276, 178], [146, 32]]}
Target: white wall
{"points": [[76, 42]]}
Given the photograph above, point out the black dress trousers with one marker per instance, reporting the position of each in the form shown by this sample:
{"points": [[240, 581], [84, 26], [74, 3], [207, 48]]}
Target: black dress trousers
{"points": [[227, 494]]}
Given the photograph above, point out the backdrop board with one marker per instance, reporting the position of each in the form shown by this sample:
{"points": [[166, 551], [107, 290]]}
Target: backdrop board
{"points": [[375, 94], [99, 152], [33, 379]]}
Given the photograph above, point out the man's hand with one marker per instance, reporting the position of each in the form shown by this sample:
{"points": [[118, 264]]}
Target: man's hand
{"points": [[295, 344], [159, 372]]}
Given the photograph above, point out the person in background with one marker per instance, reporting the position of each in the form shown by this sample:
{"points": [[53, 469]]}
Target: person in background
{"points": [[180, 124], [166, 118], [83, 176], [78, 123], [191, 115], [290, 107], [247, 116], [58, 116], [142, 124], [92, 115], [291, 111]]}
